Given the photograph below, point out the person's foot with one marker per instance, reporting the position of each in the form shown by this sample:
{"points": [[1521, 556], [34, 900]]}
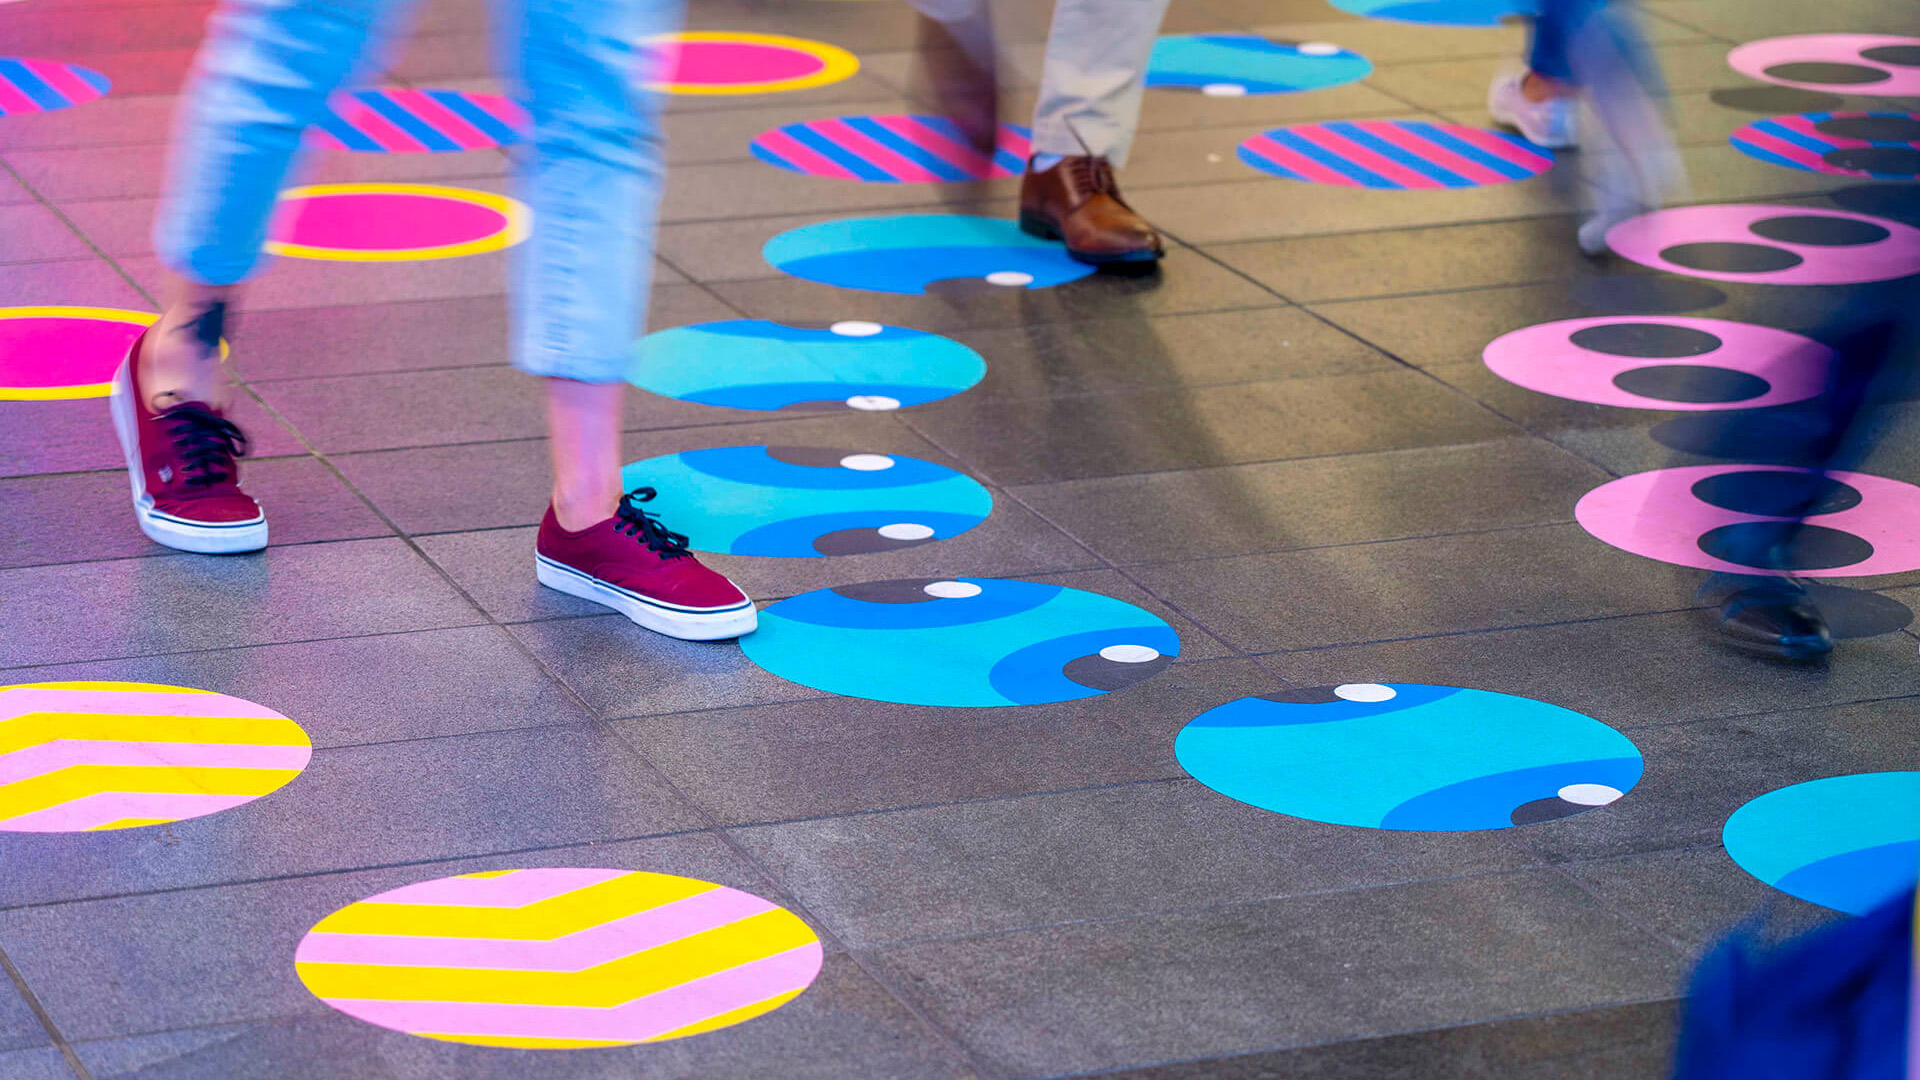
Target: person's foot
{"points": [[1078, 201], [1549, 120], [632, 564], [183, 462], [1778, 620]]}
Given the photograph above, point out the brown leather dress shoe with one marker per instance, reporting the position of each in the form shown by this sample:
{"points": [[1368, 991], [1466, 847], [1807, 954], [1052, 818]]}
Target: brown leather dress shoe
{"points": [[1078, 201]]}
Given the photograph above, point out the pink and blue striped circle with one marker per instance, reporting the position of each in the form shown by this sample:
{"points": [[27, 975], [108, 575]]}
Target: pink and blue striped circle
{"points": [[28, 85], [1878, 145], [889, 149], [1395, 155], [399, 120]]}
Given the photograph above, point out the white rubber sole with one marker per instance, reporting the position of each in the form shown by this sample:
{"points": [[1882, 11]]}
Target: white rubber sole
{"points": [[234, 538], [687, 624]]}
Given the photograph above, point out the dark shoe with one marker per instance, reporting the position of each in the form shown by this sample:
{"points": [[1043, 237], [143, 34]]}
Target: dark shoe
{"points": [[1079, 201], [1779, 621]]}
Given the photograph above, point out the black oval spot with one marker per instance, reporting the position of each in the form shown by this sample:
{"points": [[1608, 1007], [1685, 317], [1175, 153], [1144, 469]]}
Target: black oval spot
{"points": [[1857, 613], [1645, 340], [1646, 294], [1822, 71], [1876, 160], [1099, 673], [1785, 545], [1871, 128], [1819, 230], [1903, 55], [862, 542], [1775, 493], [1695, 384], [896, 591], [1776, 99], [1731, 258], [1532, 813], [815, 457], [1901, 202]]}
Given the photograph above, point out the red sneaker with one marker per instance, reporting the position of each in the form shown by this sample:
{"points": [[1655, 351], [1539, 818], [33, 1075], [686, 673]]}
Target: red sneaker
{"points": [[183, 463], [632, 564]]}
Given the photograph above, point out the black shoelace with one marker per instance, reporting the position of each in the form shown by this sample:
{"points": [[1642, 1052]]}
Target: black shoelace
{"points": [[207, 443], [633, 521]]}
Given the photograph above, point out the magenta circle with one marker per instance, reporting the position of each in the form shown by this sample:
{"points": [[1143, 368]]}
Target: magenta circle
{"points": [[47, 351], [1655, 515], [1545, 359], [1755, 57], [383, 221], [736, 63], [1643, 238]]}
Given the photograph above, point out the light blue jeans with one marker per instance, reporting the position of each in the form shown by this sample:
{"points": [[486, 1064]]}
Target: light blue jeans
{"points": [[590, 168]]}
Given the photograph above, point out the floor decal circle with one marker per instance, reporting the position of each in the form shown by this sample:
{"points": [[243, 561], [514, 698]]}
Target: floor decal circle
{"points": [[559, 958], [960, 642], [49, 353], [31, 85], [1440, 12], [94, 756], [727, 62], [1845, 842], [890, 149], [401, 120], [1408, 756], [1395, 155], [1877, 145], [1232, 65], [1770, 245], [1875, 64], [767, 366], [394, 222], [1697, 515], [906, 253], [808, 501], [1662, 362]]}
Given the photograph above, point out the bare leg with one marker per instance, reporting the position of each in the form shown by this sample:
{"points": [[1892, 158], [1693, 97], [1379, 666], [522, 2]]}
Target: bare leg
{"points": [[584, 419], [181, 358]]}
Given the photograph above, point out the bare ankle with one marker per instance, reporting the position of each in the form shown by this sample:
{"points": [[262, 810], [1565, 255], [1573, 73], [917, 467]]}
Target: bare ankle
{"points": [[1536, 88], [575, 512], [181, 357]]}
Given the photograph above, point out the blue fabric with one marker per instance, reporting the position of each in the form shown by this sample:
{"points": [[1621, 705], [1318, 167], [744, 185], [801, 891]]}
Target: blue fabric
{"points": [[589, 168], [1553, 27]]}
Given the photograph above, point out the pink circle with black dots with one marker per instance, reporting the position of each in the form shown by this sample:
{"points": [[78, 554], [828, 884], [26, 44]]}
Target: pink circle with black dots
{"points": [[1662, 362], [1663, 515], [1770, 245], [1881, 65]]}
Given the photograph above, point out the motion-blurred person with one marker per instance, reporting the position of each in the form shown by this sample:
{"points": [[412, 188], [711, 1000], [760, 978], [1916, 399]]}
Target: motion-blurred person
{"points": [[1083, 124], [1594, 49], [589, 169]]}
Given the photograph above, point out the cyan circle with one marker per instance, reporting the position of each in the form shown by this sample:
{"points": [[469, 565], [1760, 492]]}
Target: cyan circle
{"points": [[801, 503], [1435, 758], [1255, 64], [905, 253], [1844, 842], [766, 366], [1010, 643], [1441, 12]]}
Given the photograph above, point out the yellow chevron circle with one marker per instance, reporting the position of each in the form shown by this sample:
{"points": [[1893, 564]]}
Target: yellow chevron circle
{"points": [[559, 958], [88, 756]]}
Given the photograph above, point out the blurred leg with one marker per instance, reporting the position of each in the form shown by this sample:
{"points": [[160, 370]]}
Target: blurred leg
{"points": [[1096, 70]]}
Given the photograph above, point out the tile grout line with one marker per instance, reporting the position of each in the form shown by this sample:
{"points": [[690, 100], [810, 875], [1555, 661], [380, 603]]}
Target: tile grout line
{"points": [[40, 1013], [48, 204]]}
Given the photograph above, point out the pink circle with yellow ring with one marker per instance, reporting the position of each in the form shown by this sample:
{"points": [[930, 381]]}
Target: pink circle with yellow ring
{"points": [[1656, 515], [729, 62], [394, 222], [1546, 359], [64, 353], [1903, 79], [1643, 239]]}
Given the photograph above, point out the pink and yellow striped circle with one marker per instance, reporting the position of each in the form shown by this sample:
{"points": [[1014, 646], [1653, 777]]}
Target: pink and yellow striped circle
{"points": [[89, 756], [559, 958]]}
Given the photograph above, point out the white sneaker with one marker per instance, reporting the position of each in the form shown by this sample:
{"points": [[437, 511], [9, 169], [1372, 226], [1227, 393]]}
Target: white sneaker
{"points": [[1553, 123]]}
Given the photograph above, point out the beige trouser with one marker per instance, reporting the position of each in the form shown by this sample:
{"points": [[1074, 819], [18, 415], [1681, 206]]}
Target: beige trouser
{"points": [[1095, 71]]}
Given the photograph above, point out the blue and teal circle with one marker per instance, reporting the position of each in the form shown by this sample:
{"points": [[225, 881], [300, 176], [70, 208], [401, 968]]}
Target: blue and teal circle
{"points": [[976, 642], [906, 253], [1229, 65], [756, 364], [807, 501], [1846, 842], [1441, 12], [1408, 756]]}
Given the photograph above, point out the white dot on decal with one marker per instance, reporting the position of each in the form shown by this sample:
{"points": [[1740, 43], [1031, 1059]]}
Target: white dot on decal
{"points": [[1010, 278], [906, 530], [1129, 654], [866, 462], [872, 402], [856, 328], [1590, 794], [1365, 691], [952, 590]]}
